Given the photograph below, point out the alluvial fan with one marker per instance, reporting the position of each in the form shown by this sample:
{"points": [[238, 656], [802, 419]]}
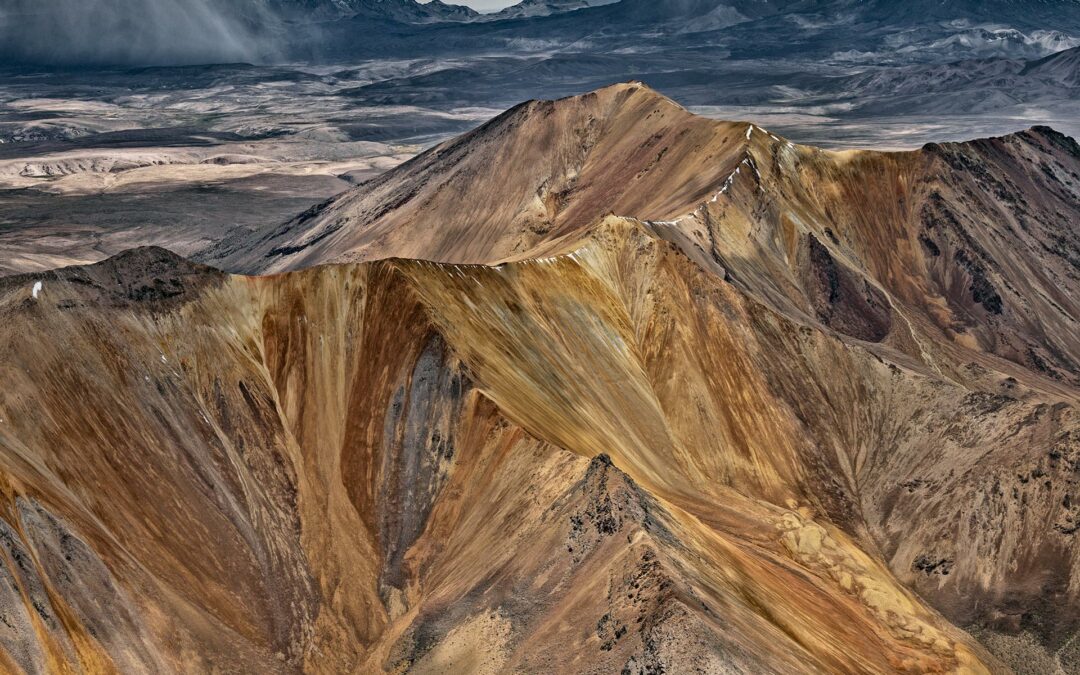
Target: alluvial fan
{"points": [[599, 387]]}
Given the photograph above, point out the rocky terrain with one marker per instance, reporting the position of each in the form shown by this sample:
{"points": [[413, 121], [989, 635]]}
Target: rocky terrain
{"points": [[599, 386]]}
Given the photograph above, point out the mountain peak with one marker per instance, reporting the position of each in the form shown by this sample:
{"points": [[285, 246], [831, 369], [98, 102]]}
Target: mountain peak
{"points": [[564, 163], [627, 87], [610, 101]]}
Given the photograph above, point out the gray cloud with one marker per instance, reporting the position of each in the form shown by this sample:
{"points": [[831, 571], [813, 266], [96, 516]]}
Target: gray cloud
{"points": [[85, 32]]}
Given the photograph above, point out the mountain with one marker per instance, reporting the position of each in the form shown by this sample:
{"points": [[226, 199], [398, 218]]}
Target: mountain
{"points": [[629, 151], [1043, 13], [967, 86], [372, 475], [533, 8], [1062, 68], [600, 386], [544, 148], [408, 11], [284, 31]]}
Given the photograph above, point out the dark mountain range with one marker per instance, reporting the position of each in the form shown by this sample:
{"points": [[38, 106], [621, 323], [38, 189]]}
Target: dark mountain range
{"points": [[834, 30], [533, 8], [969, 86], [1062, 68], [274, 30], [1057, 13], [406, 11]]}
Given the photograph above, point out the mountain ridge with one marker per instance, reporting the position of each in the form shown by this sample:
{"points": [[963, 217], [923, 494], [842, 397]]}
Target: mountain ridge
{"points": [[578, 409], [629, 151], [439, 280], [282, 31], [610, 253]]}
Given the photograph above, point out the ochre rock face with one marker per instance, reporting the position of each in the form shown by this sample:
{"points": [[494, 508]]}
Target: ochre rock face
{"points": [[631, 391]]}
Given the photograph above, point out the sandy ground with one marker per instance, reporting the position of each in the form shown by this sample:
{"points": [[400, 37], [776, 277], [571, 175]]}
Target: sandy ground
{"points": [[93, 164]]}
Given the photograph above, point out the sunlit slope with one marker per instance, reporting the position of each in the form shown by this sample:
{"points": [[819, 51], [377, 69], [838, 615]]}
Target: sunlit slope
{"points": [[611, 387], [723, 392], [539, 170], [387, 465], [966, 248]]}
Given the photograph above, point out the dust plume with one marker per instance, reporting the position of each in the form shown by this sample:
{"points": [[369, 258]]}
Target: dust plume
{"points": [[137, 32]]}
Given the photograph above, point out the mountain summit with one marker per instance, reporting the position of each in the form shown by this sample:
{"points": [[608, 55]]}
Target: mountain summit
{"points": [[738, 198]]}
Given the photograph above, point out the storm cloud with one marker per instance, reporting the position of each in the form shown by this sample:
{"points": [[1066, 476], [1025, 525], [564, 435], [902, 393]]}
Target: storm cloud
{"points": [[144, 32]]}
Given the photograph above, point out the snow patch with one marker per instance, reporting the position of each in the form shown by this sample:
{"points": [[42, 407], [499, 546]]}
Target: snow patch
{"points": [[753, 165], [37, 289]]}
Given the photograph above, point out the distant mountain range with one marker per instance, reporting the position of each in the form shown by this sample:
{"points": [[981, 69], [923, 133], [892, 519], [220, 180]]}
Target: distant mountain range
{"points": [[406, 11], [534, 8], [827, 11], [826, 58], [876, 56], [927, 30], [264, 31]]}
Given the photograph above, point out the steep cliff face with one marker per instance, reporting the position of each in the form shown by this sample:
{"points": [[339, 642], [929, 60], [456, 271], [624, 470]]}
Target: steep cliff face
{"points": [[666, 394]]}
